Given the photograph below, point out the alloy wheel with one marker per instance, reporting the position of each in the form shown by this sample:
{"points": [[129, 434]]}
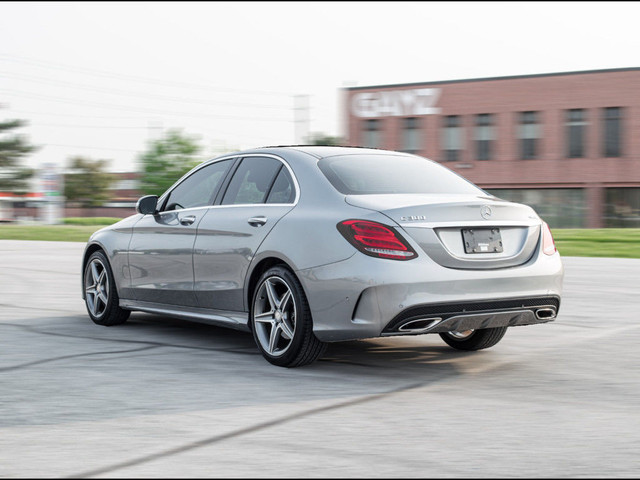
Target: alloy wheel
{"points": [[274, 316], [96, 288]]}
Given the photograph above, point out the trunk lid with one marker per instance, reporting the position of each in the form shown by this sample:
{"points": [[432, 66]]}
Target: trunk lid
{"points": [[436, 222]]}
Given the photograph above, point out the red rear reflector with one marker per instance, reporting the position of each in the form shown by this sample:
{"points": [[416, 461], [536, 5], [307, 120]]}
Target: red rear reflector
{"points": [[376, 240], [548, 245]]}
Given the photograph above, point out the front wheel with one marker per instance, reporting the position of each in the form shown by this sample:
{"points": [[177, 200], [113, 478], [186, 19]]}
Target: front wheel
{"points": [[100, 295], [474, 339], [281, 320]]}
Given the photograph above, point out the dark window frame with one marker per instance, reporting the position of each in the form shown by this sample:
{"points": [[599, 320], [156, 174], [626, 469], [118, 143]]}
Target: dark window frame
{"points": [[377, 124], [410, 124], [452, 154], [575, 126], [609, 151], [484, 148], [529, 147]]}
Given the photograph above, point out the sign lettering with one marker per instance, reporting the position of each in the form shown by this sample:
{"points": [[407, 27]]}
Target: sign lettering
{"points": [[396, 103]]}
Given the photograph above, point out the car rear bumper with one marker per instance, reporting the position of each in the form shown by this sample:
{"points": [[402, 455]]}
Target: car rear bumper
{"points": [[362, 297]]}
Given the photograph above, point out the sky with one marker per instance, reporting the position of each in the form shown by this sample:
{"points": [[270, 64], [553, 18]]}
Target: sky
{"points": [[102, 80]]}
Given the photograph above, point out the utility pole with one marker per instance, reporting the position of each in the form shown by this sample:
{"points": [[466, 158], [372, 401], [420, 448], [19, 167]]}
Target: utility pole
{"points": [[301, 118]]}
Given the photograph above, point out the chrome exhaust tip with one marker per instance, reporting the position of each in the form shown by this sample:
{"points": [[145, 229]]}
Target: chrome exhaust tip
{"points": [[545, 313], [419, 325]]}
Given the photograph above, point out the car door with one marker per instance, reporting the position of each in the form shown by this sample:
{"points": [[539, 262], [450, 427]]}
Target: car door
{"points": [[161, 248], [260, 192]]}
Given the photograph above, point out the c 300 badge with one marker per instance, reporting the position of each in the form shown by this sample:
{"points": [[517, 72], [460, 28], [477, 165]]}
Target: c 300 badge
{"points": [[413, 218], [485, 212]]}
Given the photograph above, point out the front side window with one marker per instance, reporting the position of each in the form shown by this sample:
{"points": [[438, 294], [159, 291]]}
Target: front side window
{"points": [[199, 188], [484, 136], [612, 132], [452, 138], [575, 126], [529, 134], [251, 181]]}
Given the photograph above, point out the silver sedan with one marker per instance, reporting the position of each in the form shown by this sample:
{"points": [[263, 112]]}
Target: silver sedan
{"points": [[308, 245]]}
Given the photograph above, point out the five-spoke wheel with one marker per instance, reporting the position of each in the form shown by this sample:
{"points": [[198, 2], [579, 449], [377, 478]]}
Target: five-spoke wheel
{"points": [[275, 316], [101, 297], [281, 320], [96, 287]]}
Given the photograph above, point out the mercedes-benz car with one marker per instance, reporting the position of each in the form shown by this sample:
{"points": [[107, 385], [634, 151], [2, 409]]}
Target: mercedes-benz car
{"points": [[306, 245]]}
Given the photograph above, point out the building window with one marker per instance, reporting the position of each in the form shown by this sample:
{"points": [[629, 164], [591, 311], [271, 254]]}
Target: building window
{"points": [[371, 133], [410, 135], [612, 131], [452, 138], [484, 136], [529, 133], [575, 126], [622, 207]]}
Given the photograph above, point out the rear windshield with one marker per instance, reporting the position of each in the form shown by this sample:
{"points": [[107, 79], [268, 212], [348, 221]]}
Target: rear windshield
{"points": [[379, 174]]}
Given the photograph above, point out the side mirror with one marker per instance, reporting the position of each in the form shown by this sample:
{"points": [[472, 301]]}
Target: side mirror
{"points": [[147, 205]]}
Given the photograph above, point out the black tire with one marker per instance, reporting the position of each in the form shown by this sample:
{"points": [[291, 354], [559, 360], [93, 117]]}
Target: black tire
{"points": [[477, 340], [303, 348], [103, 313]]}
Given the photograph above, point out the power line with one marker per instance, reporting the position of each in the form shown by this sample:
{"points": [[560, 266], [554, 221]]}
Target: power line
{"points": [[115, 91], [102, 73], [49, 98], [83, 146], [74, 115], [57, 125]]}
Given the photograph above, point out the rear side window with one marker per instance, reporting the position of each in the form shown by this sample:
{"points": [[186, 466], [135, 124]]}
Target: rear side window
{"points": [[198, 189], [380, 174], [251, 181], [282, 190]]}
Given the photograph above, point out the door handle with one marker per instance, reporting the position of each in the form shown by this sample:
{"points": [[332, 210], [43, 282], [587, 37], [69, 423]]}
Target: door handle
{"points": [[257, 221], [188, 220]]}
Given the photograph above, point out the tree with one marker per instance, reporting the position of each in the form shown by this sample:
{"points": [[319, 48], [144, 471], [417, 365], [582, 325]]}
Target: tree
{"points": [[324, 139], [87, 182], [166, 160], [13, 148]]}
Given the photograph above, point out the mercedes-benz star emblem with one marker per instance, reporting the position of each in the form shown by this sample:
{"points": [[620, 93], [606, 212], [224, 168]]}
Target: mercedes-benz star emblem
{"points": [[485, 212]]}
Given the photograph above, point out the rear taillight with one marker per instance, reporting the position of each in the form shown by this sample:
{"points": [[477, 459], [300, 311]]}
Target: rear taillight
{"points": [[376, 240], [548, 245]]}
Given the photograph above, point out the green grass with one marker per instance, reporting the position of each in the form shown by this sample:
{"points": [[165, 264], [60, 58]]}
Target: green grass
{"points": [[59, 233], [603, 242], [90, 220], [610, 242]]}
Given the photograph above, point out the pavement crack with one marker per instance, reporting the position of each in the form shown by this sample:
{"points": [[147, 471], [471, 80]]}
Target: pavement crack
{"points": [[242, 431], [65, 357]]}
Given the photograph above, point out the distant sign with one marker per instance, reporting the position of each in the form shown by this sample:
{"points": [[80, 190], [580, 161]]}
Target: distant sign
{"points": [[396, 103], [52, 186], [50, 180]]}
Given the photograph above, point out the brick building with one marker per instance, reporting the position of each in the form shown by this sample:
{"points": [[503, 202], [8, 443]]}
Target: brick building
{"points": [[568, 144]]}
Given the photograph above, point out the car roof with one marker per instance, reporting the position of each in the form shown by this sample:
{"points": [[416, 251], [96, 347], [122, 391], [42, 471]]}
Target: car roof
{"points": [[323, 151]]}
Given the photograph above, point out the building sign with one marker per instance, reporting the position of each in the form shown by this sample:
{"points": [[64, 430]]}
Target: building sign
{"points": [[396, 103]]}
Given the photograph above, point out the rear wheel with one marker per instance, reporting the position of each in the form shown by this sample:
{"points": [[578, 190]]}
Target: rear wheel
{"points": [[474, 339], [281, 320], [101, 297]]}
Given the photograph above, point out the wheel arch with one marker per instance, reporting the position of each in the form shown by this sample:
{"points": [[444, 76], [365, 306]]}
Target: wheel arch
{"points": [[261, 266]]}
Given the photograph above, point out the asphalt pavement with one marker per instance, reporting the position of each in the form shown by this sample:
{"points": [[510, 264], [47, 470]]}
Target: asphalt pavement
{"points": [[159, 397]]}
